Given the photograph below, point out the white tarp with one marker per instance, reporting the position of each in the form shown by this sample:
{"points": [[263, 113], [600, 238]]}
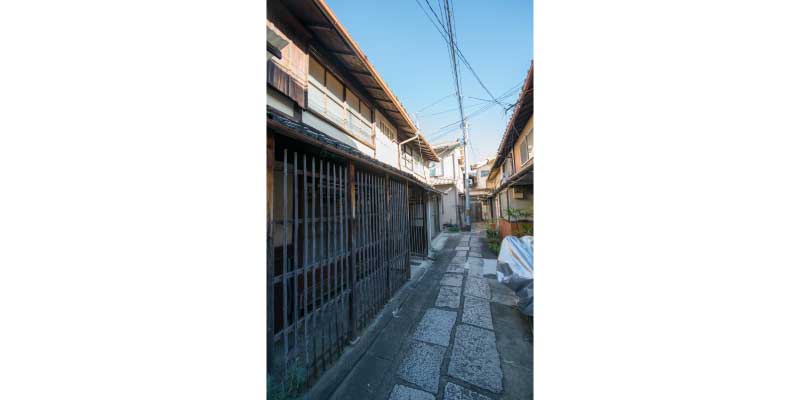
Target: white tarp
{"points": [[515, 269]]}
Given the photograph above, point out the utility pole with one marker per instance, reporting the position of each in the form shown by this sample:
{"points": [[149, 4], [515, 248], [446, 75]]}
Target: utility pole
{"points": [[457, 81], [464, 138]]}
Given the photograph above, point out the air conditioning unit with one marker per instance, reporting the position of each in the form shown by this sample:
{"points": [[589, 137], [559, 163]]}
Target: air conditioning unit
{"points": [[517, 193]]}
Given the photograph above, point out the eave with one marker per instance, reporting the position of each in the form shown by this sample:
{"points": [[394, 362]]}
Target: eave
{"points": [[323, 25]]}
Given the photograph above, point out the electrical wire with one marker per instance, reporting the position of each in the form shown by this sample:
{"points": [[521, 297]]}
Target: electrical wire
{"points": [[458, 50], [436, 102]]}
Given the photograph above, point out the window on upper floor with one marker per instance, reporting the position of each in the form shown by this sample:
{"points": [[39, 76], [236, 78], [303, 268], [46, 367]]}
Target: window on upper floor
{"points": [[484, 173], [526, 147], [384, 126], [436, 170], [329, 96], [408, 159]]}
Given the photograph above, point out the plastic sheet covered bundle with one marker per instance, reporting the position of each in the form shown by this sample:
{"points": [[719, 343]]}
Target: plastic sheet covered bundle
{"points": [[515, 269]]}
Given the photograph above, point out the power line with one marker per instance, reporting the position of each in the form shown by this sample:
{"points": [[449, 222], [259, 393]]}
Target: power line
{"points": [[436, 102], [453, 58], [485, 107], [458, 50], [451, 110]]}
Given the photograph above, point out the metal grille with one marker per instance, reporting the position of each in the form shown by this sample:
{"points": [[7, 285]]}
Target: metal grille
{"points": [[338, 249], [309, 260], [370, 267], [419, 242], [398, 244]]}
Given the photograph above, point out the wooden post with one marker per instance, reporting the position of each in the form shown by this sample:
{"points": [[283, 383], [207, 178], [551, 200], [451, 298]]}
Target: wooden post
{"points": [[387, 247], [425, 222], [351, 245], [270, 252], [410, 229]]}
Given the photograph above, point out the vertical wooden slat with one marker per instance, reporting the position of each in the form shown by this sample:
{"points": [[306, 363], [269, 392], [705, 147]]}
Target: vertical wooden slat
{"points": [[324, 260], [314, 261], [305, 260], [389, 242], [270, 252], [348, 249], [407, 266], [351, 190], [329, 262], [368, 240], [357, 213], [284, 331], [335, 257], [389, 238], [365, 249], [384, 220], [374, 244], [342, 250], [295, 225]]}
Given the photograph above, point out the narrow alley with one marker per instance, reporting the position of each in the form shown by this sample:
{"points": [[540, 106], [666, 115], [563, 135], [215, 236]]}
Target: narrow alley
{"points": [[452, 332]]}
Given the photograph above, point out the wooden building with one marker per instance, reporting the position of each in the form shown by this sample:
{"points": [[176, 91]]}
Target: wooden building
{"points": [[511, 175], [347, 200]]}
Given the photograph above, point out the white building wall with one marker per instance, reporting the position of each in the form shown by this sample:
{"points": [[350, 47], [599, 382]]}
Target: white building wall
{"points": [[386, 148], [447, 166]]}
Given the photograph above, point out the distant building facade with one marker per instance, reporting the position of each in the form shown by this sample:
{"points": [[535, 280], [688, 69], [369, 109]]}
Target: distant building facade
{"points": [[479, 190], [447, 175]]}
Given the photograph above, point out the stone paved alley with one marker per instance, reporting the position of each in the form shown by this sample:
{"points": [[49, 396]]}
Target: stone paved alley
{"points": [[452, 333]]}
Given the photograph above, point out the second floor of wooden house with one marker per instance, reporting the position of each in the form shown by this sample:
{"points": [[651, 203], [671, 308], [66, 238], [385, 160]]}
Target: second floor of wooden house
{"points": [[318, 76]]}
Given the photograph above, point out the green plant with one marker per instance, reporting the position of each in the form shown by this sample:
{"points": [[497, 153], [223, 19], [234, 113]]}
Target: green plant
{"points": [[494, 247], [516, 214], [452, 229], [524, 230], [492, 234]]}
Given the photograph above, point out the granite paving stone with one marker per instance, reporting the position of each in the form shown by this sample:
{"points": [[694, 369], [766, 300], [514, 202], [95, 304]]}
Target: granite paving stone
{"points": [[459, 259], [489, 266], [449, 297], [466, 248], [461, 253], [475, 270], [401, 392], [477, 312], [477, 287], [452, 280], [456, 392], [474, 358], [456, 269], [422, 366], [475, 260], [435, 326]]}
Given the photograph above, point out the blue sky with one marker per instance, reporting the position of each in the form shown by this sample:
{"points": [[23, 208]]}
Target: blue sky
{"points": [[411, 56]]}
